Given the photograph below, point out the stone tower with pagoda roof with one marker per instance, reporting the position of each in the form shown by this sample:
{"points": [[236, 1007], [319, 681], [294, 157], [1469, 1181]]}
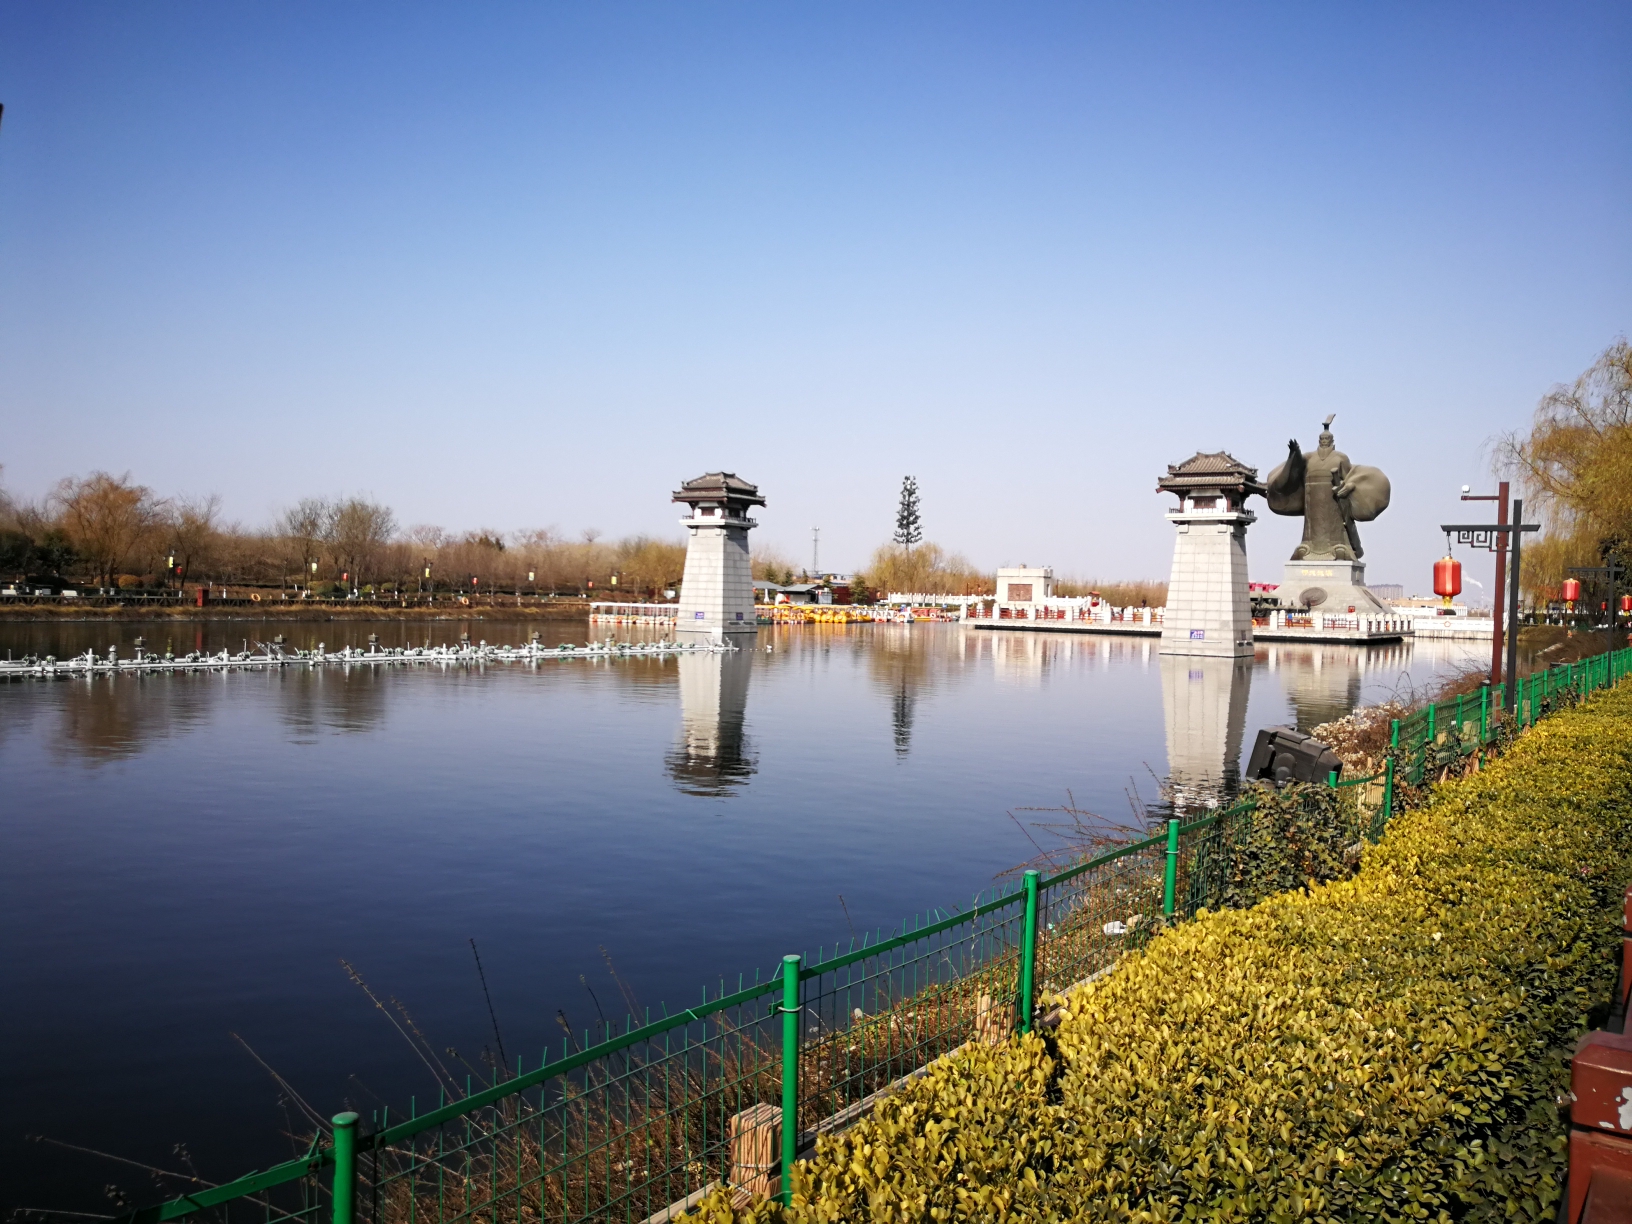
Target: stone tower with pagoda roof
{"points": [[1208, 610], [717, 592]]}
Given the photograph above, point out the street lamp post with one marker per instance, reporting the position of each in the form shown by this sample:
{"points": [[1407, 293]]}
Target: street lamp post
{"points": [[1500, 498], [1486, 536]]}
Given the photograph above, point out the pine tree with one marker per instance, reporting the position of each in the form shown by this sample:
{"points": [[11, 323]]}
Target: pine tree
{"points": [[907, 529]]}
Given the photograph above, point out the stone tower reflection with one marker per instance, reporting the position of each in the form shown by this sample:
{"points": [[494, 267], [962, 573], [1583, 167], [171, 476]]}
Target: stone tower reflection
{"points": [[713, 756], [1205, 703]]}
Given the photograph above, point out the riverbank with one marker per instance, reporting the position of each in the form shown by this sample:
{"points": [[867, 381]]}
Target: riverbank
{"points": [[267, 610], [1386, 1045]]}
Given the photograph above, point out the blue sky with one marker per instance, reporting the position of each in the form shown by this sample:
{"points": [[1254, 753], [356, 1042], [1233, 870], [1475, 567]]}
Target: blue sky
{"points": [[532, 265]]}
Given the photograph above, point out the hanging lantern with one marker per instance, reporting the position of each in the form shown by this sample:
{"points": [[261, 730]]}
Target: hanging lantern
{"points": [[1626, 603], [1571, 590], [1447, 578]]}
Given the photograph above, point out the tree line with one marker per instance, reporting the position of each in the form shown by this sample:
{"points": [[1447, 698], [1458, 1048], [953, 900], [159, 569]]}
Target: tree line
{"points": [[108, 532]]}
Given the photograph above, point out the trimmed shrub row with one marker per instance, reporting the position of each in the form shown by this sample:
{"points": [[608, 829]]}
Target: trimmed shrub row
{"points": [[1390, 1046]]}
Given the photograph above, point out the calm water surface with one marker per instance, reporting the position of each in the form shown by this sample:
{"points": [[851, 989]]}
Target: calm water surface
{"points": [[187, 858]]}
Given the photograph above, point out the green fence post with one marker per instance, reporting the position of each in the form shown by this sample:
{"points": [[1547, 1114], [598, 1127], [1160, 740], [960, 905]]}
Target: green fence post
{"points": [[790, 1072], [1433, 719], [1388, 788], [1484, 714], [1170, 878], [345, 1167], [1028, 954]]}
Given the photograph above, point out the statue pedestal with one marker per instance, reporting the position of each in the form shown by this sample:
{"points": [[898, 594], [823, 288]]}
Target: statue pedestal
{"points": [[1334, 587]]}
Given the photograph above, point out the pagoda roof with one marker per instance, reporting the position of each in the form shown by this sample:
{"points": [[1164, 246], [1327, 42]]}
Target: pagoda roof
{"points": [[1210, 470], [719, 486]]}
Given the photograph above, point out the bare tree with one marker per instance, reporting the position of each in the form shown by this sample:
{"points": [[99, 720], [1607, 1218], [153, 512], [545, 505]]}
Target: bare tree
{"points": [[109, 520], [193, 535], [358, 531], [305, 526]]}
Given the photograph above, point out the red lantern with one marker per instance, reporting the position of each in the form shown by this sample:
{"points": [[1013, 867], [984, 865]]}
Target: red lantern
{"points": [[1571, 590], [1447, 578], [1626, 603]]}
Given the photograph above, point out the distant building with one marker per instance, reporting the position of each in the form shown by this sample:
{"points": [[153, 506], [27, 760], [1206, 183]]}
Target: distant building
{"points": [[1025, 584], [1387, 591], [812, 593]]}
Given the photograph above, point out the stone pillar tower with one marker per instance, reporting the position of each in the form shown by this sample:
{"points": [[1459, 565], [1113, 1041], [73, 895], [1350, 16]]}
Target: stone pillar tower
{"points": [[1208, 611], [717, 592]]}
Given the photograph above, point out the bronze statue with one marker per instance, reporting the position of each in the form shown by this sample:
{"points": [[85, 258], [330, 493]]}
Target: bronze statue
{"points": [[1331, 493]]}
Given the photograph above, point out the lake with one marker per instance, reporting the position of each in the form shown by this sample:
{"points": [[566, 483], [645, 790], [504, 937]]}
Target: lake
{"points": [[189, 859]]}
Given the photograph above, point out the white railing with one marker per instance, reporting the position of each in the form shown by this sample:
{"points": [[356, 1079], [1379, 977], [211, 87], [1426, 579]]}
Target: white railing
{"points": [[1339, 622], [920, 598], [632, 613], [1464, 627], [1082, 611]]}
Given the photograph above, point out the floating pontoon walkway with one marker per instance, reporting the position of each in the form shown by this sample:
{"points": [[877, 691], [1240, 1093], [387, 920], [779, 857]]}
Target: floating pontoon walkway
{"points": [[275, 656]]}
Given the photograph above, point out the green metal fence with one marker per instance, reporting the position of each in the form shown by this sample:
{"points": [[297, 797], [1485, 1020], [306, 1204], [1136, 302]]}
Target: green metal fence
{"points": [[639, 1121], [1440, 736]]}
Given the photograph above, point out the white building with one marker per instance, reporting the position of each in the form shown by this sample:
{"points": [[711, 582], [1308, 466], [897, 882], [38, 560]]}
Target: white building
{"points": [[1024, 584]]}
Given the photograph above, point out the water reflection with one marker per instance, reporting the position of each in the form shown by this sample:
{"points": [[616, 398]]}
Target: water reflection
{"points": [[105, 718], [714, 756], [1204, 701], [901, 717], [1029, 658], [902, 663], [1325, 682], [348, 699]]}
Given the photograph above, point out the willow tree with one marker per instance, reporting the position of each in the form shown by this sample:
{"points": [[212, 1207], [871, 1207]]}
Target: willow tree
{"points": [[1574, 466]]}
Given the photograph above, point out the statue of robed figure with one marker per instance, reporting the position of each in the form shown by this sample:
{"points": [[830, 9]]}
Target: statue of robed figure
{"points": [[1331, 494]]}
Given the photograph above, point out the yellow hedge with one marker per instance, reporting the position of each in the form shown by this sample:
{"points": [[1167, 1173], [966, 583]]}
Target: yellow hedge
{"points": [[1386, 1047]]}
